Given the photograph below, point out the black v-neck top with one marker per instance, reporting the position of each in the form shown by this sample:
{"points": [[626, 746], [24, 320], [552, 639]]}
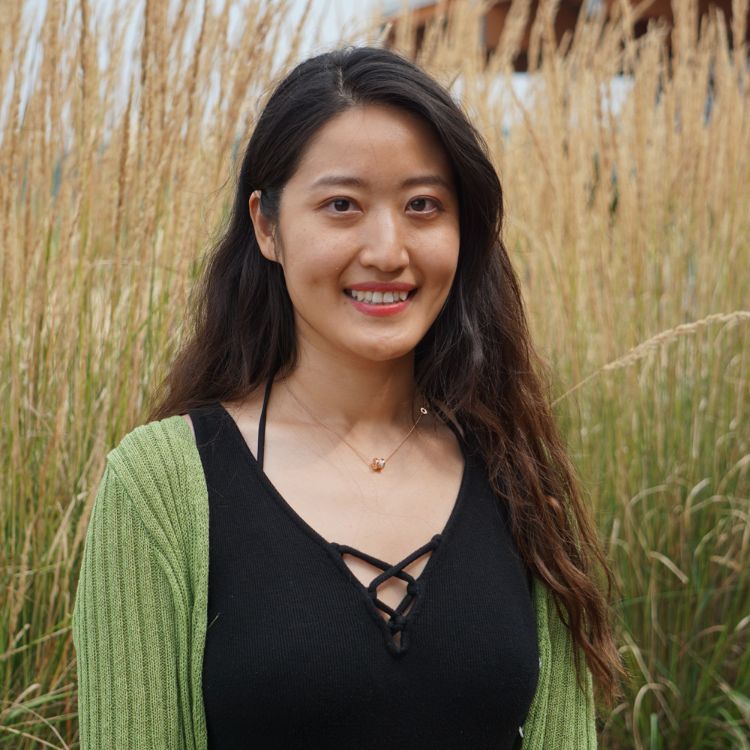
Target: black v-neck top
{"points": [[298, 654]]}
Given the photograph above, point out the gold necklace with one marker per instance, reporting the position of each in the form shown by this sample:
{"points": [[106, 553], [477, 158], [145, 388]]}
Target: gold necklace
{"points": [[376, 464]]}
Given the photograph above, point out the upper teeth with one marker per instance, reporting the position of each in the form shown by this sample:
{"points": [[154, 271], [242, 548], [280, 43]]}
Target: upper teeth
{"points": [[378, 297]]}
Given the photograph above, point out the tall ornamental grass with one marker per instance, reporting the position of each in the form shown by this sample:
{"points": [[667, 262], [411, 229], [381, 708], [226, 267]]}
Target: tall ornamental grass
{"points": [[628, 218]]}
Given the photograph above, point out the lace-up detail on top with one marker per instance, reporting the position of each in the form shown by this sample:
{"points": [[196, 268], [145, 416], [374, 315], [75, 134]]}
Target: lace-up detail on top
{"points": [[398, 641]]}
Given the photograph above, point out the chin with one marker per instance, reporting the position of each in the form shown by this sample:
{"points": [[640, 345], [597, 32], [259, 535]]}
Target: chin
{"points": [[384, 352]]}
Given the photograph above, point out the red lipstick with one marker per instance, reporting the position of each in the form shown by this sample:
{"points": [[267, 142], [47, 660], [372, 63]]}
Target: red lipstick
{"points": [[381, 309]]}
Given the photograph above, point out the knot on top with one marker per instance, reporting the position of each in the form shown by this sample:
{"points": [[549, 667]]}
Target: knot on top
{"points": [[397, 622]]}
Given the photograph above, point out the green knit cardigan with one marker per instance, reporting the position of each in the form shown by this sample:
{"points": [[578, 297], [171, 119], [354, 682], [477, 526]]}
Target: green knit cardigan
{"points": [[139, 617]]}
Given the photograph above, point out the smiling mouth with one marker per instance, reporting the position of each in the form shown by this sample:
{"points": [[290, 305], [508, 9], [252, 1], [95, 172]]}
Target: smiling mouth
{"points": [[380, 298]]}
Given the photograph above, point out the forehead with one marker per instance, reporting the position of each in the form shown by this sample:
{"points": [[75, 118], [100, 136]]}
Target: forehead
{"points": [[378, 142]]}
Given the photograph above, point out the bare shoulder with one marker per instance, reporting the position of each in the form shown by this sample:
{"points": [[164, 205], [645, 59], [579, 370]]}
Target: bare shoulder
{"points": [[245, 411], [438, 447]]}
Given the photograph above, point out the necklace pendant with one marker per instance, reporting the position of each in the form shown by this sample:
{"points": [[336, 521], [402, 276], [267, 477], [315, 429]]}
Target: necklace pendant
{"points": [[377, 464]]}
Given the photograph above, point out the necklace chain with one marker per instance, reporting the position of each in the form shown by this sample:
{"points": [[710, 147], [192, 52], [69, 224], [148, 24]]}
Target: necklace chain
{"points": [[375, 464]]}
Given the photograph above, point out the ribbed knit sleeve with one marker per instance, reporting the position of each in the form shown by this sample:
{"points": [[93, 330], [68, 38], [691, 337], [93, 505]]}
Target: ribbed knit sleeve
{"points": [[561, 716], [134, 615]]}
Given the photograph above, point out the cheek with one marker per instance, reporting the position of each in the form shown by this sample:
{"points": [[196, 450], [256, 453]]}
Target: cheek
{"points": [[312, 260], [441, 252]]}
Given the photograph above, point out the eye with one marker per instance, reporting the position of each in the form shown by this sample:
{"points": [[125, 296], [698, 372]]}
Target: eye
{"points": [[340, 205], [424, 205]]}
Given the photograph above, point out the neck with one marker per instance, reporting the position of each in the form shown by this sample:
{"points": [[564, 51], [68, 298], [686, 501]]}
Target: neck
{"points": [[346, 396]]}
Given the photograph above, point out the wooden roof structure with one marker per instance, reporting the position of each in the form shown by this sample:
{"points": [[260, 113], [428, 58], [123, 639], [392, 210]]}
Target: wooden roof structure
{"points": [[567, 16]]}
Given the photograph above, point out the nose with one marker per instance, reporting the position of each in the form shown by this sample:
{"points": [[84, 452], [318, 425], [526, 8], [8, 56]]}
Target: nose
{"points": [[384, 243]]}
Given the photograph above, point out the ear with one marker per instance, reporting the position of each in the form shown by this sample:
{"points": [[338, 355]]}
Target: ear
{"points": [[264, 228]]}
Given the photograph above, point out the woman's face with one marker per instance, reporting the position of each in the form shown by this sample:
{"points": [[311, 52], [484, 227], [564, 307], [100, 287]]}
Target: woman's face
{"points": [[372, 203]]}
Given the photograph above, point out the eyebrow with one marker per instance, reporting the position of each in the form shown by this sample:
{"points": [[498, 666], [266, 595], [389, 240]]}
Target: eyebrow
{"points": [[351, 181]]}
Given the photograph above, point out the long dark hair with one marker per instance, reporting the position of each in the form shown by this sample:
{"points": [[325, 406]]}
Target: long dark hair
{"points": [[476, 364]]}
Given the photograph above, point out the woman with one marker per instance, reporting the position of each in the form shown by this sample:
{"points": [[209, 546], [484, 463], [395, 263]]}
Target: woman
{"points": [[350, 521]]}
